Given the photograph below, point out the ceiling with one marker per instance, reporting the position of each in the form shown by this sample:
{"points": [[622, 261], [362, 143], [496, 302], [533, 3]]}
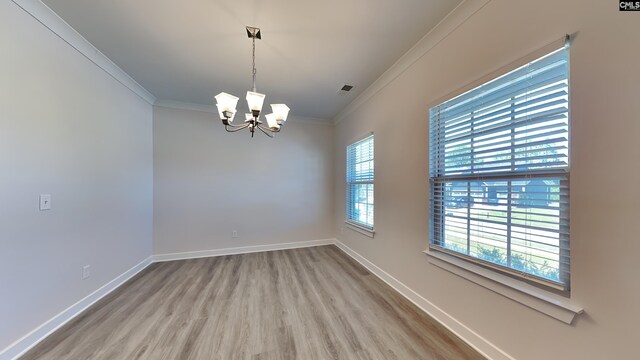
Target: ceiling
{"points": [[190, 50]]}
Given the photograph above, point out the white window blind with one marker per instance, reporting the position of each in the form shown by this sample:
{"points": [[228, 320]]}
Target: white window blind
{"points": [[499, 172], [360, 183]]}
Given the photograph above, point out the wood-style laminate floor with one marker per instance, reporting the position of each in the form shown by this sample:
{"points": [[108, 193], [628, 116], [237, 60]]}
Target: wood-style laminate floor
{"points": [[313, 303]]}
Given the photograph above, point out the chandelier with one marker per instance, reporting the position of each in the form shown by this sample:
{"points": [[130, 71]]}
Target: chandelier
{"points": [[227, 103]]}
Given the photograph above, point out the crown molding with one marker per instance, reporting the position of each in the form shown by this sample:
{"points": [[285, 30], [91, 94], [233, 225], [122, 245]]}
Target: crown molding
{"points": [[446, 26], [171, 104], [62, 29]]}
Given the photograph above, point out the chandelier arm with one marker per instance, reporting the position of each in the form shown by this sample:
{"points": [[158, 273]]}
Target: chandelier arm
{"points": [[268, 132], [236, 127], [271, 130], [274, 130]]}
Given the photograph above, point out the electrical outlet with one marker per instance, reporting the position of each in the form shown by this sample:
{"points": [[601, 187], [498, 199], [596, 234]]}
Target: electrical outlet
{"points": [[86, 271], [234, 234]]}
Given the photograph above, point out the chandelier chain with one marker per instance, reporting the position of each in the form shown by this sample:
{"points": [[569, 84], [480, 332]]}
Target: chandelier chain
{"points": [[254, 64]]}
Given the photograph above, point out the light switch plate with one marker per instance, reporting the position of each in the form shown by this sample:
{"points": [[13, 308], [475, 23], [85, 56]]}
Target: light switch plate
{"points": [[86, 271], [45, 202]]}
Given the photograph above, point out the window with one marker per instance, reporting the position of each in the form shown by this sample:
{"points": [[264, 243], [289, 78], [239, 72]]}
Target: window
{"points": [[499, 173], [360, 183]]}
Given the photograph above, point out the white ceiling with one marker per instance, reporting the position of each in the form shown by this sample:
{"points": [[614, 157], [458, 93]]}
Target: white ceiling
{"points": [[190, 50]]}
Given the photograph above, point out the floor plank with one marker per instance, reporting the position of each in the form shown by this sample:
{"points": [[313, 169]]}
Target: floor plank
{"points": [[312, 303]]}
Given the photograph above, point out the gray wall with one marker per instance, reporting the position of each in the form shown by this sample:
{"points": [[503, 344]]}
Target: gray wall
{"points": [[208, 183], [605, 202], [70, 130]]}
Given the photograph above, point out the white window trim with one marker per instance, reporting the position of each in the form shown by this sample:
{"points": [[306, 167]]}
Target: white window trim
{"points": [[556, 306], [370, 232]]}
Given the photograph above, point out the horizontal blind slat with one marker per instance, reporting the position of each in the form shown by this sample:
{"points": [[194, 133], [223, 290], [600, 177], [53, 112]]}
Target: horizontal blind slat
{"points": [[547, 77], [515, 108], [541, 66]]}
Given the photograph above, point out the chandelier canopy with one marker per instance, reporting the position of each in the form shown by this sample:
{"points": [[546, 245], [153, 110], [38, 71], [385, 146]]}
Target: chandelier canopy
{"points": [[227, 104]]}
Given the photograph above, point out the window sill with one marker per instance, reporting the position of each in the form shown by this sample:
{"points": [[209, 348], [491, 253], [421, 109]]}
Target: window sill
{"points": [[545, 302], [360, 229]]}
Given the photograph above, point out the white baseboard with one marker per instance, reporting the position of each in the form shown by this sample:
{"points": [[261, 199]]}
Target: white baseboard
{"points": [[30, 340], [241, 250], [474, 340]]}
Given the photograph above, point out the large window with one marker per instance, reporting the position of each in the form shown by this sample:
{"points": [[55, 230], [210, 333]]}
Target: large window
{"points": [[499, 173], [360, 183]]}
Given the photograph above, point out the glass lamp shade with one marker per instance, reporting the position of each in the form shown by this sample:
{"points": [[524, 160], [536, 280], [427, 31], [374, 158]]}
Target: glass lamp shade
{"points": [[255, 100], [281, 111], [271, 121], [226, 102], [222, 117]]}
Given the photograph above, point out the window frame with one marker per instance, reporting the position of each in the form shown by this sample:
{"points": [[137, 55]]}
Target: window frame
{"points": [[358, 226], [442, 254]]}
